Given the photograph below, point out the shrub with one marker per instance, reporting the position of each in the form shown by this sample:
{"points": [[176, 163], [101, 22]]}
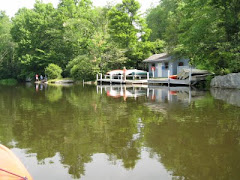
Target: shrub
{"points": [[53, 71], [8, 82], [81, 68]]}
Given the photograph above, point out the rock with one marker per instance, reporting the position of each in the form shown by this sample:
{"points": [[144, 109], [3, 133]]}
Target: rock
{"points": [[28, 79], [67, 81], [230, 96], [230, 81]]}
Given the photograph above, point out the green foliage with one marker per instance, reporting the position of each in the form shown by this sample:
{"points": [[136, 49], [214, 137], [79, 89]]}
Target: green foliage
{"points": [[113, 36], [111, 58], [207, 31], [83, 68], [53, 71], [8, 60], [129, 31], [10, 82], [55, 94]]}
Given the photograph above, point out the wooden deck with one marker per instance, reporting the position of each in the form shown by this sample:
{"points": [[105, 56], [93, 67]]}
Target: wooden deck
{"points": [[120, 81], [168, 81], [193, 81], [186, 77]]}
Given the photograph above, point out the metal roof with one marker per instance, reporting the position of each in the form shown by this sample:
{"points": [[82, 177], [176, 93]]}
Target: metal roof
{"points": [[158, 58]]}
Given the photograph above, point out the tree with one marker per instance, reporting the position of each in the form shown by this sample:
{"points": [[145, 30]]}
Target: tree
{"points": [[8, 63], [129, 30], [206, 32], [33, 32], [83, 68]]}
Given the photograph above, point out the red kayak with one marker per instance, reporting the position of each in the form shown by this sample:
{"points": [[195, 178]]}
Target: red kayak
{"points": [[173, 77], [11, 167]]}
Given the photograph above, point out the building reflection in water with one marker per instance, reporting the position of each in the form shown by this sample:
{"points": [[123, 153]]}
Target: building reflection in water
{"points": [[156, 94], [124, 91]]}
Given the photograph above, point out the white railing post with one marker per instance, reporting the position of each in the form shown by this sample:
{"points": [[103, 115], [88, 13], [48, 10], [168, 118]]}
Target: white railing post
{"points": [[97, 77], [147, 75], [168, 77]]}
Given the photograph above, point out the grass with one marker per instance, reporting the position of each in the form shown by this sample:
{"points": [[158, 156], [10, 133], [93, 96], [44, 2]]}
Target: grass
{"points": [[9, 82]]}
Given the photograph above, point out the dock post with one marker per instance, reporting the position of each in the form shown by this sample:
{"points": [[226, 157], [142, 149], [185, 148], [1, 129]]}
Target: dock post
{"points": [[101, 78], [111, 79], [147, 75], [190, 75]]}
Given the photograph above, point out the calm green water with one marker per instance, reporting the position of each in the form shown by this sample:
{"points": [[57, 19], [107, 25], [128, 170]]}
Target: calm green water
{"points": [[120, 133]]}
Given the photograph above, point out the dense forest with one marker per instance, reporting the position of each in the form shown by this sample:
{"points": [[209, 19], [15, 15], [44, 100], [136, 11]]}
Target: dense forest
{"points": [[82, 40]]}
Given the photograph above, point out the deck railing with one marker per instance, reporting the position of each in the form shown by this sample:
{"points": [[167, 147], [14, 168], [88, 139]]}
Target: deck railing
{"points": [[120, 77]]}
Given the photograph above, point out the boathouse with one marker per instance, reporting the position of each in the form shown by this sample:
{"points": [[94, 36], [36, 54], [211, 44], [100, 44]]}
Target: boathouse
{"points": [[159, 64]]}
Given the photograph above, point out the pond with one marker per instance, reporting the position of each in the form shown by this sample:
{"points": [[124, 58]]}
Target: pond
{"points": [[122, 132]]}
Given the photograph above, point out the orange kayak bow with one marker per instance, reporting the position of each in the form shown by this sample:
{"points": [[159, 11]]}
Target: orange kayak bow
{"points": [[11, 167]]}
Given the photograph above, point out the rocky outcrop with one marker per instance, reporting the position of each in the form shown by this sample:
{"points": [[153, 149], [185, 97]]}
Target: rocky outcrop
{"points": [[66, 81], [230, 96], [230, 81]]}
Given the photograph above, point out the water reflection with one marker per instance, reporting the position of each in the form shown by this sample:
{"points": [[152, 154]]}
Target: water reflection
{"points": [[230, 96], [38, 86], [159, 94], [155, 133], [124, 91]]}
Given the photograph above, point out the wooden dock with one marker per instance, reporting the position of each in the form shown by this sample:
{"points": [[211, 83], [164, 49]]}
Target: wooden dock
{"points": [[186, 77], [168, 81], [189, 81], [120, 81]]}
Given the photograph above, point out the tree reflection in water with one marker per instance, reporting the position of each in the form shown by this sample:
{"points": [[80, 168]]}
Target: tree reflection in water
{"points": [[199, 140]]}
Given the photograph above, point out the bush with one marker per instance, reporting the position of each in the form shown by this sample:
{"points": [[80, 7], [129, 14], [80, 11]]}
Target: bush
{"points": [[53, 71], [9, 82], [82, 68]]}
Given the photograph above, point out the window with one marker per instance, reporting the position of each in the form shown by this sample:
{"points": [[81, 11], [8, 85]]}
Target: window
{"points": [[180, 64], [166, 65]]}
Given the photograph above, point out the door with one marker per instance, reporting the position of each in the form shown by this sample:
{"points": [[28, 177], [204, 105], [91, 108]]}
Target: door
{"points": [[159, 70]]}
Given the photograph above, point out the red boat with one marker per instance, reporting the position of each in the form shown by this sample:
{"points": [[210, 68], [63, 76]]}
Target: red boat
{"points": [[173, 77]]}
